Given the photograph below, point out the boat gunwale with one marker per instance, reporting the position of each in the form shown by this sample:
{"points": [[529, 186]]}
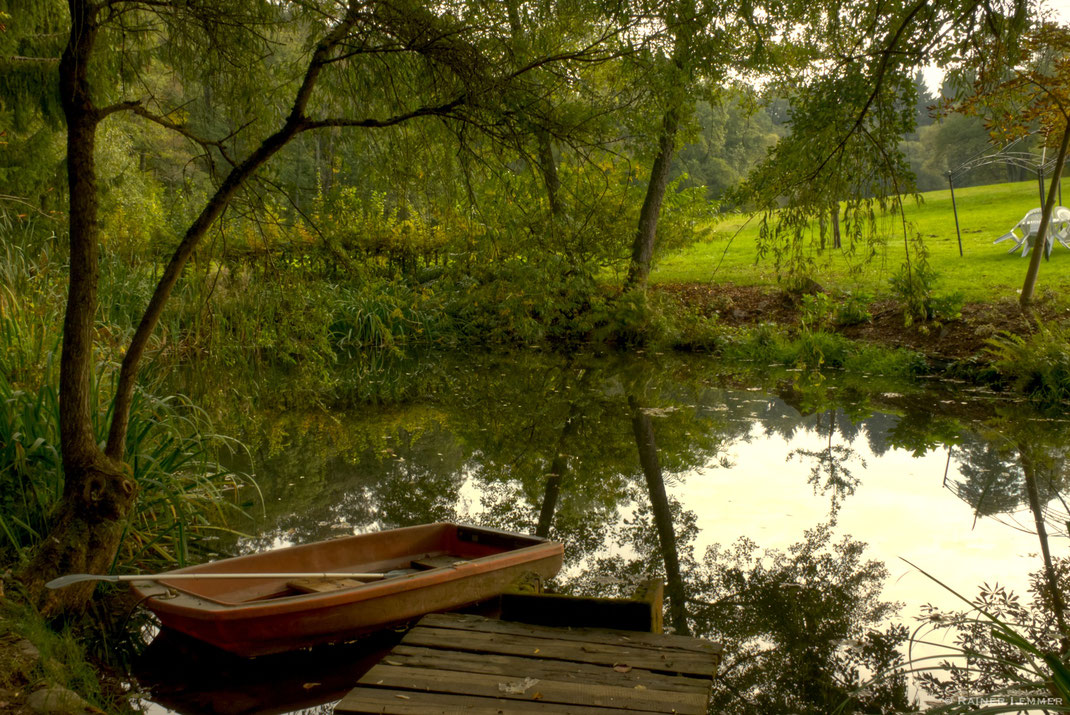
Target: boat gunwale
{"points": [[189, 603]]}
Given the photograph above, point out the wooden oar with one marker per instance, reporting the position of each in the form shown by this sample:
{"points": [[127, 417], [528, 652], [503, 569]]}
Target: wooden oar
{"points": [[80, 577]]}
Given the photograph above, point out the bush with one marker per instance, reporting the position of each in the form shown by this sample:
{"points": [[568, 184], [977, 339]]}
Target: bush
{"points": [[914, 286], [853, 309]]}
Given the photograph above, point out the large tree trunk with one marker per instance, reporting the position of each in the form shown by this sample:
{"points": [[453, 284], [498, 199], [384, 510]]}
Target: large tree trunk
{"points": [[1040, 244], [548, 169], [97, 495], [646, 234], [643, 427], [98, 492]]}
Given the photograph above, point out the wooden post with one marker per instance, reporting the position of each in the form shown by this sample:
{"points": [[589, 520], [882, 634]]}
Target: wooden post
{"points": [[653, 593]]}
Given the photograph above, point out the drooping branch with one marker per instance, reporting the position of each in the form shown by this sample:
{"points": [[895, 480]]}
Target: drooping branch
{"points": [[887, 52], [294, 123], [440, 110]]}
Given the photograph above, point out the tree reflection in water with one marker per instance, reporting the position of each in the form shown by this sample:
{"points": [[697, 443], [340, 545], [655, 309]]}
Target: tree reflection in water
{"points": [[599, 453]]}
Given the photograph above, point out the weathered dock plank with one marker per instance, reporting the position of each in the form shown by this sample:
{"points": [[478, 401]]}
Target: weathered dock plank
{"points": [[636, 639], [410, 702], [470, 664], [515, 666], [667, 661], [618, 697]]}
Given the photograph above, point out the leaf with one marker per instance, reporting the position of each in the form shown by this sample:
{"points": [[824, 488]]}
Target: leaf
{"points": [[621, 667], [517, 687], [309, 686]]}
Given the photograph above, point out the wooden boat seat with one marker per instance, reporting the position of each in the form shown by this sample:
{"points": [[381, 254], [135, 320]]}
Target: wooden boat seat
{"points": [[435, 562], [322, 585]]}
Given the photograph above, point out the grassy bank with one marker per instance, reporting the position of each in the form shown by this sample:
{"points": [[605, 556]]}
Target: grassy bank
{"points": [[984, 273]]}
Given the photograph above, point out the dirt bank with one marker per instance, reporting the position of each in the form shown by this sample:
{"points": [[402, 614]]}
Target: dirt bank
{"points": [[960, 338]]}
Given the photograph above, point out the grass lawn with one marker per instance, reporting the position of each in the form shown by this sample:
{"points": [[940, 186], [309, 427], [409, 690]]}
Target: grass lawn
{"points": [[985, 272]]}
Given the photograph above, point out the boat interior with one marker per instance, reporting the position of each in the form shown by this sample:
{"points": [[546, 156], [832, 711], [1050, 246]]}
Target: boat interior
{"points": [[394, 554]]}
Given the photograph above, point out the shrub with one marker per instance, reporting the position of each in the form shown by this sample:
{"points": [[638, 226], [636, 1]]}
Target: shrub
{"points": [[1038, 365]]}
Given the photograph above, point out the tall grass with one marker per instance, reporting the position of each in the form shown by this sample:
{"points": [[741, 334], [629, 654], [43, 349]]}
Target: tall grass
{"points": [[1006, 656], [185, 492], [174, 452]]}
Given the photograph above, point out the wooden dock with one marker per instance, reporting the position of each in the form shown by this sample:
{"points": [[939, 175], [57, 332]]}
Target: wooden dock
{"points": [[455, 663]]}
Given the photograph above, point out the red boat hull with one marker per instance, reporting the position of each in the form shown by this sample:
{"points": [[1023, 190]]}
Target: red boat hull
{"points": [[260, 616]]}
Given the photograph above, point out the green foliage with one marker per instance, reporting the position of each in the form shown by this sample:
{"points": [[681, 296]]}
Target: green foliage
{"points": [[915, 287], [63, 660], [1038, 365], [816, 311], [766, 344], [171, 446], [1002, 648], [852, 309], [732, 136], [947, 145]]}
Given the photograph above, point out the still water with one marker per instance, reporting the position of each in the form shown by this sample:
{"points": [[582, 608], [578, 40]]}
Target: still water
{"points": [[780, 506]]}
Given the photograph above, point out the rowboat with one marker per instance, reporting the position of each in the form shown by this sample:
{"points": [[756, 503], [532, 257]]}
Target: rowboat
{"points": [[428, 568]]}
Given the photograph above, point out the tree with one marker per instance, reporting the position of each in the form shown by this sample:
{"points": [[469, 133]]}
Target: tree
{"points": [[31, 39], [696, 47], [800, 627], [448, 63], [1033, 93], [848, 117]]}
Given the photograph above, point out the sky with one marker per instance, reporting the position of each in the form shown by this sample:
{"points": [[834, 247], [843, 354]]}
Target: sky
{"points": [[1061, 8]]}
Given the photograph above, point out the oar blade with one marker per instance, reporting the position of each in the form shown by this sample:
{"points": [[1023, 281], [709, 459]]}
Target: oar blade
{"points": [[77, 578]]}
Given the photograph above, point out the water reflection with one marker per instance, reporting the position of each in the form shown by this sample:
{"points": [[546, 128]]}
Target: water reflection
{"points": [[752, 500], [186, 676]]}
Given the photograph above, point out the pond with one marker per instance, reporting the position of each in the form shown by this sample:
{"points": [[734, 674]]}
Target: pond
{"points": [[781, 506]]}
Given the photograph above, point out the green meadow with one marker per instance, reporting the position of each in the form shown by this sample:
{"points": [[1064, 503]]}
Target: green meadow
{"points": [[985, 272]]}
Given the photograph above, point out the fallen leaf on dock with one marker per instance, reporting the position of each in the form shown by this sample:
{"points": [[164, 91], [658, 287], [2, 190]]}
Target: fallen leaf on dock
{"points": [[621, 667], [518, 687], [309, 686], [537, 696], [403, 697]]}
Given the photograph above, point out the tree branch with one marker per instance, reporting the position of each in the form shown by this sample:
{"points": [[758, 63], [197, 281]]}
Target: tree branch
{"points": [[33, 60], [294, 123], [436, 111]]}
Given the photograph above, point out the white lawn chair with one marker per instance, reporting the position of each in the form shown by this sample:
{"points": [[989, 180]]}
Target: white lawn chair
{"points": [[1029, 226]]}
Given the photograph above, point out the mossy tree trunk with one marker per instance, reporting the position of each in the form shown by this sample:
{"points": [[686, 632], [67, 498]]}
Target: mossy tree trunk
{"points": [[99, 491], [646, 233]]}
